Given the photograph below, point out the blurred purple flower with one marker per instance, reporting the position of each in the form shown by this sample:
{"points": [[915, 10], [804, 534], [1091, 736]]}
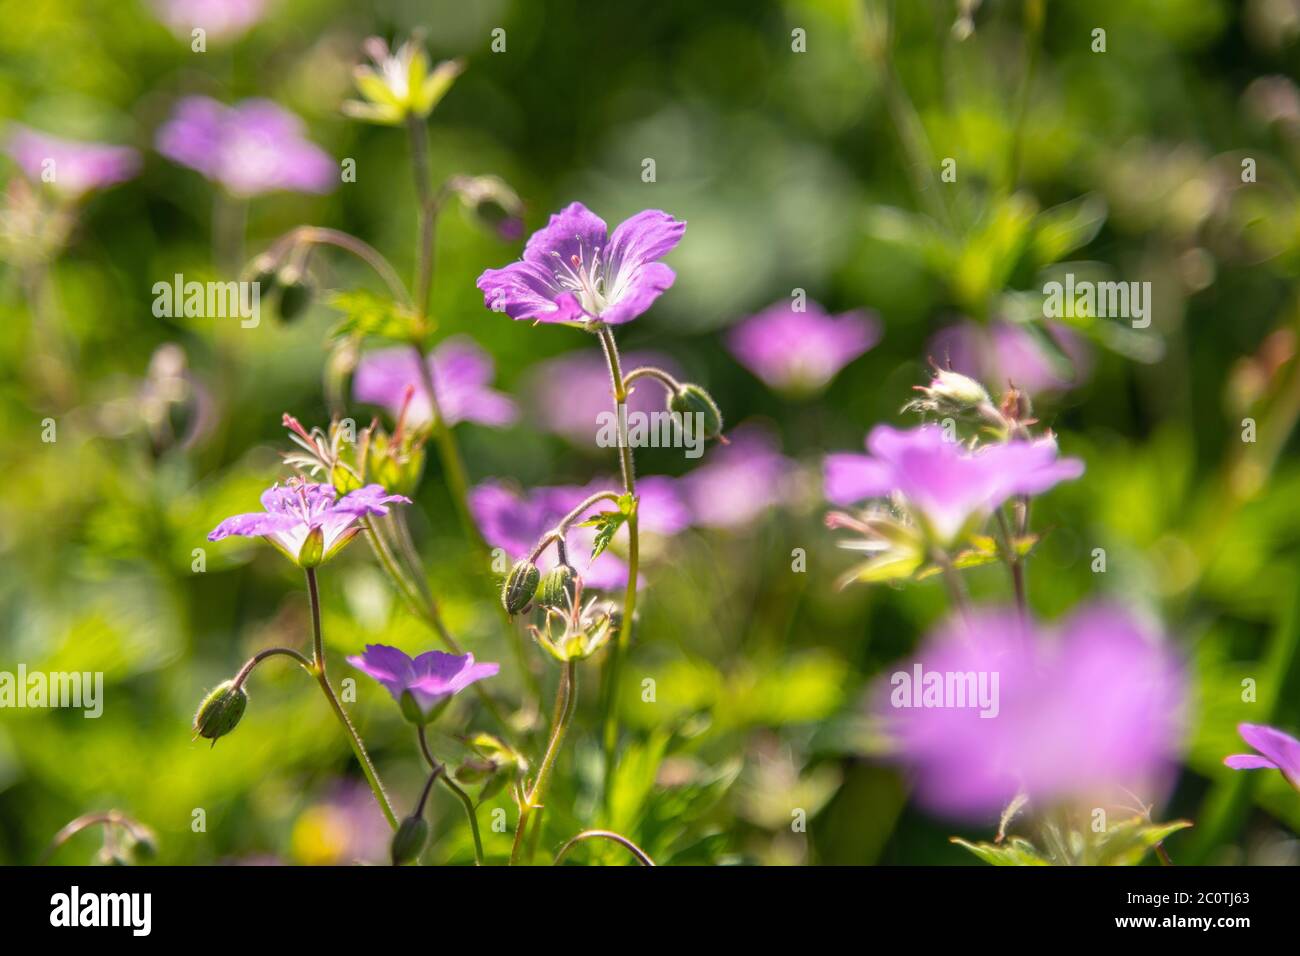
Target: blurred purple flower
{"points": [[461, 372], [944, 483], [514, 521], [421, 685], [738, 481], [574, 271], [568, 392], [250, 148], [297, 510], [220, 19], [1001, 353], [1086, 713], [801, 351], [1280, 751], [71, 167]]}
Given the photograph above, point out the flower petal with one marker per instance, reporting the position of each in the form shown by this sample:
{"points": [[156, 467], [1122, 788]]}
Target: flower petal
{"points": [[644, 238], [574, 230], [633, 293], [1249, 762]]}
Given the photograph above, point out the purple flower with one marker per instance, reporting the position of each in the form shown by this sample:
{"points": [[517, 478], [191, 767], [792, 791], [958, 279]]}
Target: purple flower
{"points": [[461, 372], [1281, 752], [423, 684], [219, 18], [801, 351], [250, 148], [568, 392], [1078, 714], [943, 483], [71, 167], [574, 271], [738, 481], [305, 522], [1001, 353]]}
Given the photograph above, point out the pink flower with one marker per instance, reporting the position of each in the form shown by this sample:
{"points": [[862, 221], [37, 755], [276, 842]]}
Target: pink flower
{"points": [[71, 167], [460, 370], [569, 392], [801, 351], [220, 19], [943, 483], [1280, 752], [737, 482], [1086, 713], [1001, 353], [250, 148], [421, 685]]}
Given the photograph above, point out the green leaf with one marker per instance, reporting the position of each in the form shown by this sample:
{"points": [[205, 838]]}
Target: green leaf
{"points": [[367, 314], [607, 524], [1127, 842], [1062, 229], [885, 567], [1015, 852]]}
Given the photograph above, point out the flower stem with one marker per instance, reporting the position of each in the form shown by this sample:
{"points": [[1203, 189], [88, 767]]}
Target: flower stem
{"points": [[565, 703], [641, 855], [263, 655], [461, 795], [1016, 564], [619, 649], [318, 665]]}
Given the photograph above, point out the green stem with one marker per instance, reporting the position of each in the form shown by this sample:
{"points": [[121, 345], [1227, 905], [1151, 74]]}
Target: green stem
{"points": [[270, 652], [565, 703], [460, 794], [318, 665], [619, 649], [1015, 564], [641, 855]]}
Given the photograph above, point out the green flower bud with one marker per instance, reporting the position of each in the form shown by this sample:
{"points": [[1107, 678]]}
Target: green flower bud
{"points": [[691, 399], [140, 846], [220, 711], [558, 587], [295, 296], [409, 840], [521, 585]]}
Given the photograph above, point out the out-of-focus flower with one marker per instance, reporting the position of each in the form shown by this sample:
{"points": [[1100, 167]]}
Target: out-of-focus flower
{"points": [[460, 370], [491, 201], [1280, 751], [219, 19], [305, 522], [1090, 713], [70, 167], [346, 827], [176, 407], [574, 271], [800, 352], [568, 392], [942, 483], [250, 148], [1002, 353], [576, 631], [738, 481], [515, 521], [424, 684], [398, 84]]}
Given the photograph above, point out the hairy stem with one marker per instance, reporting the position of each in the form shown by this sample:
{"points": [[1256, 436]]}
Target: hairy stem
{"points": [[565, 702], [470, 813], [641, 855], [318, 665]]}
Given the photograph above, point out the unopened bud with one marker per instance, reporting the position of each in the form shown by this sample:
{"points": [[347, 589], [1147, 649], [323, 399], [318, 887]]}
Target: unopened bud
{"points": [[295, 295], [520, 586], [312, 551], [220, 711], [409, 840], [558, 587], [691, 399]]}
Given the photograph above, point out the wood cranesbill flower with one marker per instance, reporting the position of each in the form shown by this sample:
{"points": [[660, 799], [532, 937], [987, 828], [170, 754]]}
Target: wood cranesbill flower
{"points": [[573, 271], [460, 371], [220, 19], [71, 168], [800, 352], [1280, 752], [308, 522], [944, 484], [250, 148], [421, 685], [563, 391]]}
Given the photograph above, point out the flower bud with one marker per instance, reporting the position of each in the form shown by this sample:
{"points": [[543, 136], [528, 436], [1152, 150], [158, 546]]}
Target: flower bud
{"points": [[409, 840], [220, 711], [491, 201], [951, 393], [690, 399], [139, 846], [520, 586], [295, 295], [558, 587]]}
